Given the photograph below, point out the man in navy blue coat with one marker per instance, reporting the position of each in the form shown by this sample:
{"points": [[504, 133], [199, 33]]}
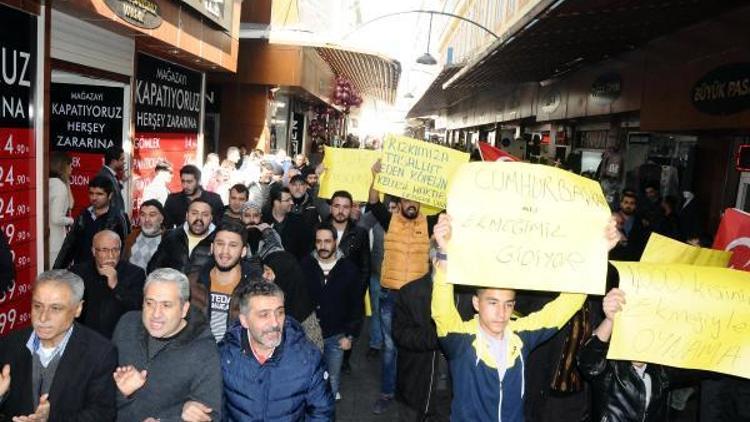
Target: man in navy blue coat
{"points": [[272, 372]]}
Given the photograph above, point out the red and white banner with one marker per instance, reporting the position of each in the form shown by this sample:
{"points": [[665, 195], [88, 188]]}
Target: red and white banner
{"points": [[490, 153], [734, 236], [18, 208]]}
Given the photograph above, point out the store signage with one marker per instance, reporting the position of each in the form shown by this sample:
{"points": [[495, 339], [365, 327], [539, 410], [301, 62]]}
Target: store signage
{"points": [[295, 133], [724, 90], [168, 104], [85, 121], [218, 11], [140, 13], [606, 88], [551, 101], [85, 118], [213, 99], [18, 208]]}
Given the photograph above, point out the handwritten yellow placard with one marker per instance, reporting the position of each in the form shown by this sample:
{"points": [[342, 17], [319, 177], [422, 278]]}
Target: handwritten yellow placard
{"points": [[347, 169], [684, 316], [527, 226], [417, 170], [663, 250]]}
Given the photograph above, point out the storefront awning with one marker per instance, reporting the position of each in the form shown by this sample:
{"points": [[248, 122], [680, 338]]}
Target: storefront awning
{"points": [[372, 75], [435, 97], [569, 34]]}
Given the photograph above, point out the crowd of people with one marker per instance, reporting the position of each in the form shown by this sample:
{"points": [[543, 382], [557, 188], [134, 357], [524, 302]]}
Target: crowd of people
{"points": [[240, 297]]}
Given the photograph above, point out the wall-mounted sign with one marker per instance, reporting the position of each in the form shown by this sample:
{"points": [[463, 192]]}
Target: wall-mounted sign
{"points": [[212, 99], [168, 105], [296, 128], [85, 118], [18, 207], [218, 11], [606, 88], [140, 13], [724, 90], [551, 101]]}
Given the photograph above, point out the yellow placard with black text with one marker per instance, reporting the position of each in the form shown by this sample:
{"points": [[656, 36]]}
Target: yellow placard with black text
{"points": [[684, 316], [417, 170], [347, 169], [527, 226]]}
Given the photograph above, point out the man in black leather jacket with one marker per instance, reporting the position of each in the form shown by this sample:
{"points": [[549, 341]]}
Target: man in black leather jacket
{"points": [[353, 241], [187, 248], [100, 215], [623, 391]]}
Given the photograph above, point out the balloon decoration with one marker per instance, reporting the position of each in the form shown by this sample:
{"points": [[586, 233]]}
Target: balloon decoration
{"points": [[326, 122], [345, 95]]}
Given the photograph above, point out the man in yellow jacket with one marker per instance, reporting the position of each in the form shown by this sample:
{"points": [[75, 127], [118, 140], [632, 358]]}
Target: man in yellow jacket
{"points": [[487, 354], [405, 258]]}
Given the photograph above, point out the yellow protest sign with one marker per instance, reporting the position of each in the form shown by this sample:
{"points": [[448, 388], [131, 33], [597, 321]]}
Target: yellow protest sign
{"points": [[684, 316], [347, 169], [527, 226], [417, 170], [663, 250]]}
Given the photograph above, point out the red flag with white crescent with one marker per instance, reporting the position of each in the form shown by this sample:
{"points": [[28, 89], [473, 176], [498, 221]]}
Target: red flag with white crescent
{"points": [[734, 236], [490, 153]]}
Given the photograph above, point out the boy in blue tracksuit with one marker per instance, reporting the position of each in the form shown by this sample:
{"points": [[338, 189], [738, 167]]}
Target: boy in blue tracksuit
{"points": [[487, 354]]}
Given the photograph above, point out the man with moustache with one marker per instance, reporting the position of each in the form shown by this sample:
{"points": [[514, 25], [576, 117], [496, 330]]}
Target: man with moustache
{"points": [[406, 258], [142, 242], [262, 239], [271, 371], [113, 286], [188, 248], [634, 234], [177, 203], [168, 363], [336, 291], [219, 279], [56, 369]]}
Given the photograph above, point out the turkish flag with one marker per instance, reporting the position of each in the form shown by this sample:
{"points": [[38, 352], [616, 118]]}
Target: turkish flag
{"points": [[734, 236], [490, 153]]}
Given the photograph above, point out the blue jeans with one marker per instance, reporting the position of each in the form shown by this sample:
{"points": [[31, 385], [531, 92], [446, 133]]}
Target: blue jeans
{"points": [[334, 357], [376, 336], [388, 372]]}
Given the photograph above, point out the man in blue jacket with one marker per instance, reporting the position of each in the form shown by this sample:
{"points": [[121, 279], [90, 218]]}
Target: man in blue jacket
{"points": [[271, 371]]}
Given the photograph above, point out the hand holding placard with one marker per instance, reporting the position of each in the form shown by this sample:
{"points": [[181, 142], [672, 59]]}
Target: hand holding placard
{"points": [[684, 316]]}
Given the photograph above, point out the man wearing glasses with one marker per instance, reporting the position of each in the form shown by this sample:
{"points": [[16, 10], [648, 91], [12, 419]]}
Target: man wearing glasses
{"points": [[113, 286]]}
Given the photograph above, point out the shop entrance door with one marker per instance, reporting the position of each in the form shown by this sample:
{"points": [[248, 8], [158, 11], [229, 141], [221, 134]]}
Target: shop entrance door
{"points": [[743, 193]]}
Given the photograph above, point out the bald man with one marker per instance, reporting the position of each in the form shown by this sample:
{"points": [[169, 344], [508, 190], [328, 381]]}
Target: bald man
{"points": [[113, 286]]}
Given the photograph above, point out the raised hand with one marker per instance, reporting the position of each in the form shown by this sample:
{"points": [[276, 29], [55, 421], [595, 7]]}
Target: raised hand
{"points": [[129, 379], [612, 234], [612, 303]]}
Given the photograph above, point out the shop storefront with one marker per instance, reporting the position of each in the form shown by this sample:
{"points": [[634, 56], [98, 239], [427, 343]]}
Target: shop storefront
{"points": [[21, 169], [100, 76]]}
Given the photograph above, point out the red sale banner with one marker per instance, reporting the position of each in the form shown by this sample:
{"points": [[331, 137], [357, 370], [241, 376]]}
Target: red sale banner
{"points": [[18, 162]]}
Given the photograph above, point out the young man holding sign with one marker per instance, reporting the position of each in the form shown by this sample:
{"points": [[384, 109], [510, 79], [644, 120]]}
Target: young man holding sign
{"points": [[487, 354]]}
